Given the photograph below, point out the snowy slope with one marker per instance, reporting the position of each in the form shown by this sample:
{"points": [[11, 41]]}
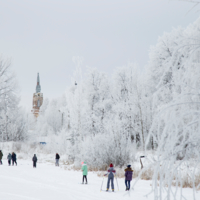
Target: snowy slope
{"points": [[48, 182]]}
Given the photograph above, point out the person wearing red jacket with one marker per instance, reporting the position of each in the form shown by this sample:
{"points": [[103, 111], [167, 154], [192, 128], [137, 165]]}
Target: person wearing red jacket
{"points": [[111, 172]]}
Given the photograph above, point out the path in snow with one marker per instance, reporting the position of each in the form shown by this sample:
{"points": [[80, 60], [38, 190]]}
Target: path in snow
{"points": [[48, 182]]}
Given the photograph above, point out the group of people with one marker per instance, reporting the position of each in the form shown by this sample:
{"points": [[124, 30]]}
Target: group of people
{"points": [[111, 174], [10, 157], [13, 157], [34, 159]]}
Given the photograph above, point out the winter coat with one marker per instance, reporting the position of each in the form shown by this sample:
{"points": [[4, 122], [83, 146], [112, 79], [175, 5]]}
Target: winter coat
{"points": [[84, 169], [34, 159], [9, 157], [1, 155], [111, 172], [128, 174], [57, 156], [14, 157]]}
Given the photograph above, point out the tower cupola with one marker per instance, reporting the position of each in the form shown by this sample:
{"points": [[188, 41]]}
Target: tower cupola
{"points": [[38, 87]]}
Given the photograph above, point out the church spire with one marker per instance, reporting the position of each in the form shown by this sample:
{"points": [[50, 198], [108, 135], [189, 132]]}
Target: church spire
{"points": [[38, 87]]}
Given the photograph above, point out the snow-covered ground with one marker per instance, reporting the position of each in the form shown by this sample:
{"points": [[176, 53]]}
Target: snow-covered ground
{"points": [[48, 182]]}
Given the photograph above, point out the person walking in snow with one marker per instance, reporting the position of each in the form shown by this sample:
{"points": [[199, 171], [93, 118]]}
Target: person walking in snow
{"points": [[9, 157], [1, 156], [128, 177], [14, 158], [111, 172], [85, 171], [34, 159], [57, 159]]}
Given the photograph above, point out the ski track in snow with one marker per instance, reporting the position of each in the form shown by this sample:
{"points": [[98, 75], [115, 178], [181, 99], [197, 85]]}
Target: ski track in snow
{"points": [[48, 182]]}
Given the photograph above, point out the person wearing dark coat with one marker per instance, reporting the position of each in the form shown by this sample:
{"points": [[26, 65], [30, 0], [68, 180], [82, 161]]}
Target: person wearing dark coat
{"points": [[34, 159], [9, 157], [1, 156], [14, 158], [57, 159], [128, 177]]}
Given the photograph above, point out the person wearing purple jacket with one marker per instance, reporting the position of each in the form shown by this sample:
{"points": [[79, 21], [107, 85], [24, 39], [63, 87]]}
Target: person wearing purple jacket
{"points": [[128, 177]]}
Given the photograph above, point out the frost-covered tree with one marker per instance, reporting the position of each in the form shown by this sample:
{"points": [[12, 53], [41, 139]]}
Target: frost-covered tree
{"points": [[130, 101], [97, 96], [174, 81], [13, 120], [101, 108], [51, 119]]}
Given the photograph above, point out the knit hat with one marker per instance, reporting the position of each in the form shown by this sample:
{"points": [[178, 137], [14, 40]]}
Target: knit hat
{"points": [[129, 166], [111, 165]]}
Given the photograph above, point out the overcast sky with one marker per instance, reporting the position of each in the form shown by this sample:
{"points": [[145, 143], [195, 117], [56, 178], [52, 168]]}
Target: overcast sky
{"points": [[43, 36]]}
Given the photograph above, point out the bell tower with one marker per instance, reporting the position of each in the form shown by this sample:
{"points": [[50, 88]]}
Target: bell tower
{"points": [[37, 98]]}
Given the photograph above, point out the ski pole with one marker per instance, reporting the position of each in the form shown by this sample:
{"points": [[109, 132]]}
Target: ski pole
{"points": [[117, 183], [102, 184]]}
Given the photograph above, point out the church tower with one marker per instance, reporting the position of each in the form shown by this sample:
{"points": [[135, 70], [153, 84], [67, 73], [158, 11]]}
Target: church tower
{"points": [[37, 98]]}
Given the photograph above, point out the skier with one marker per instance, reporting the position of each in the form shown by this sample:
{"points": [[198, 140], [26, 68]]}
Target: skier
{"points": [[128, 177], [9, 157], [1, 156], [85, 171], [34, 159], [57, 159], [111, 171], [14, 158]]}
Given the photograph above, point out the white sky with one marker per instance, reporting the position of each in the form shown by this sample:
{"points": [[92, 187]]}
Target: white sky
{"points": [[43, 36]]}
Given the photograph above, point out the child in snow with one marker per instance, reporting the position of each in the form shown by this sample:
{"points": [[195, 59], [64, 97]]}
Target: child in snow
{"points": [[110, 173], [1, 156], [57, 159], [9, 157], [128, 177], [34, 159], [14, 158], [85, 171]]}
